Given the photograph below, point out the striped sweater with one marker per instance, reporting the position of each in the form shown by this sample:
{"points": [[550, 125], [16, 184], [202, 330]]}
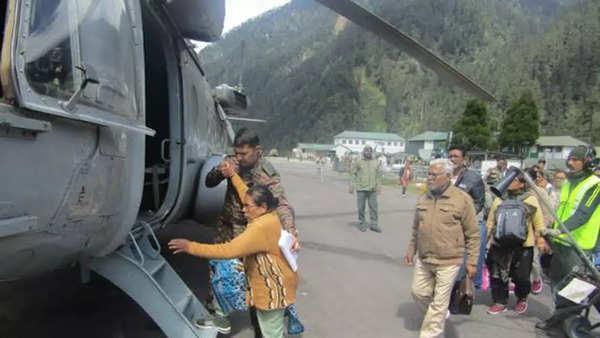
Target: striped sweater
{"points": [[272, 282]]}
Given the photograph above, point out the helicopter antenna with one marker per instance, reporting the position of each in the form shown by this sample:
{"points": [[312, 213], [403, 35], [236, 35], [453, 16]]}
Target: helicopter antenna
{"points": [[241, 75]]}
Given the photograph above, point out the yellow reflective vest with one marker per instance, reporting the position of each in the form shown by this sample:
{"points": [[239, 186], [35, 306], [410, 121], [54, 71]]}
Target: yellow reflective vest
{"points": [[586, 234]]}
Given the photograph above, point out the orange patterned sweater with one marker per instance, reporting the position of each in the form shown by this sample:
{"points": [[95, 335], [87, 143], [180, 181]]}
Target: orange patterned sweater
{"points": [[272, 282]]}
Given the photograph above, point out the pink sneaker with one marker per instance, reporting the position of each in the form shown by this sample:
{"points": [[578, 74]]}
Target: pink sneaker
{"points": [[511, 287], [496, 309], [536, 287], [521, 307]]}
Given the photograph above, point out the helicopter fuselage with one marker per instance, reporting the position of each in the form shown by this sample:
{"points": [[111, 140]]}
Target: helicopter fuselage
{"points": [[80, 172]]}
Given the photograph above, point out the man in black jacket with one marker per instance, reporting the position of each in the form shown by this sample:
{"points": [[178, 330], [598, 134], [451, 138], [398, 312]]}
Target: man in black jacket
{"points": [[470, 182], [467, 180]]}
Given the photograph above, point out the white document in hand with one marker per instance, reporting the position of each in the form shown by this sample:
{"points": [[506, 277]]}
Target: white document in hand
{"points": [[285, 244]]}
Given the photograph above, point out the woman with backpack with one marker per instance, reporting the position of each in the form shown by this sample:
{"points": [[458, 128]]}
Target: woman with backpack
{"points": [[514, 225]]}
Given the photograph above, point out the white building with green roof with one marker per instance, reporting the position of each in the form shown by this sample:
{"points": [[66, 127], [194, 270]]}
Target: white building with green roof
{"points": [[554, 149], [426, 143], [355, 141]]}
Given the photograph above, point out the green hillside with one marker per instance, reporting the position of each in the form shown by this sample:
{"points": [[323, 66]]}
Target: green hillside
{"points": [[312, 74]]}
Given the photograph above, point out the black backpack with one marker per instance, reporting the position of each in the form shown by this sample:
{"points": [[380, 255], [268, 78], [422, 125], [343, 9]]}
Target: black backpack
{"points": [[511, 223]]}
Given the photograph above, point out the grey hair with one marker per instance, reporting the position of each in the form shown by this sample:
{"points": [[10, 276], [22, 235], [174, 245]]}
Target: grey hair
{"points": [[447, 165]]}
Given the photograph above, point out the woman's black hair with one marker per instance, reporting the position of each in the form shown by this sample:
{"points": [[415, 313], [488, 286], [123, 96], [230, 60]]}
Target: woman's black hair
{"points": [[262, 195], [532, 172]]}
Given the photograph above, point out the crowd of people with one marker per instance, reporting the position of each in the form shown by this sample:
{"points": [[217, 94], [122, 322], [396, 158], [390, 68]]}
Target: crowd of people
{"points": [[463, 229], [508, 223]]}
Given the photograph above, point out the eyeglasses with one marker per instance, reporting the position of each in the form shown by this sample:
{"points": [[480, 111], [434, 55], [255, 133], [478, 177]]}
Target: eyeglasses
{"points": [[249, 206]]}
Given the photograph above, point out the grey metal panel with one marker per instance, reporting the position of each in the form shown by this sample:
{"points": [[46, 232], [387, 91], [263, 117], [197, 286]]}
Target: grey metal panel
{"points": [[86, 198], [205, 134], [12, 120], [199, 19], [18, 225]]}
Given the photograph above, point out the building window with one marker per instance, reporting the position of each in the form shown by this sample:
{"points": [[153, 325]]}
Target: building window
{"points": [[363, 141], [389, 143]]}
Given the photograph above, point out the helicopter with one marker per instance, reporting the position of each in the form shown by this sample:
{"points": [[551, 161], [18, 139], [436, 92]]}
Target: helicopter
{"points": [[108, 128]]}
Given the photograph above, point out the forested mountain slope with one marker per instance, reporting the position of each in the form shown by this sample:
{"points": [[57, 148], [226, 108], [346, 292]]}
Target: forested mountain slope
{"points": [[312, 74]]}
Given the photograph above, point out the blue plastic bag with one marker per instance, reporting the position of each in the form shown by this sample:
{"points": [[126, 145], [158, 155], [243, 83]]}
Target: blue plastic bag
{"points": [[228, 283], [294, 324]]}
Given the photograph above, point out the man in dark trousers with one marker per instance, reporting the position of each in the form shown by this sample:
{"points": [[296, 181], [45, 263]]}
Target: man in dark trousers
{"points": [[470, 182], [365, 179]]}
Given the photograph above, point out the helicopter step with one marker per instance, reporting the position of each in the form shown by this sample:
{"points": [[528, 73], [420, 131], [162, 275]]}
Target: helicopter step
{"points": [[139, 270]]}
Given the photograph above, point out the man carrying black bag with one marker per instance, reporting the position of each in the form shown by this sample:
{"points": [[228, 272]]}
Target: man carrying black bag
{"points": [[514, 226], [444, 227]]}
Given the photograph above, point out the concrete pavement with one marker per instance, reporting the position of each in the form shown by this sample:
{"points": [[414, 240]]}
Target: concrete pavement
{"points": [[352, 283]]}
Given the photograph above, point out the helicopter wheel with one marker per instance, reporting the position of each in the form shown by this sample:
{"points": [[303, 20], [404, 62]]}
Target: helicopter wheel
{"points": [[577, 327]]}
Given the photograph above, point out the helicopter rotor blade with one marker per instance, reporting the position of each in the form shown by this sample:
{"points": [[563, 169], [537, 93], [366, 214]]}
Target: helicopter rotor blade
{"points": [[232, 118], [371, 22]]}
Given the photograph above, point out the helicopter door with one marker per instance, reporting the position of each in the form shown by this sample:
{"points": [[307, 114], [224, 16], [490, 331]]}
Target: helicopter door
{"points": [[163, 114], [82, 60]]}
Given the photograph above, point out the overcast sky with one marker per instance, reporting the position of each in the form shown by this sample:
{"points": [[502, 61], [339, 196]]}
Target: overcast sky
{"points": [[238, 11]]}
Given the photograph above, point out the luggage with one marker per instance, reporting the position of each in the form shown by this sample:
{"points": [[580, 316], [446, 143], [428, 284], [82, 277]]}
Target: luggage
{"points": [[511, 223], [228, 283], [462, 302], [485, 278]]}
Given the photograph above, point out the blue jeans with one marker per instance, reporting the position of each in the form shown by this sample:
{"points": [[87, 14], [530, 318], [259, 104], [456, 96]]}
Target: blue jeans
{"points": [[482, 244]]}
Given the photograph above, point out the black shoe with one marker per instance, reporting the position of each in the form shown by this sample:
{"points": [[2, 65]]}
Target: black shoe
{"points": [[547, 324], [363, 229]]}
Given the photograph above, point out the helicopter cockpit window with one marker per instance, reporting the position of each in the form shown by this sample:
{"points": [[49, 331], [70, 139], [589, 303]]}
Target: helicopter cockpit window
{"points": [[61, 38], [48, 54], [106, 43]]}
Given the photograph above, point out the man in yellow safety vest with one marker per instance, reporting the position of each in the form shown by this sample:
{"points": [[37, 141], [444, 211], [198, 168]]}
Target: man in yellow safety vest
{"points": [[578, 210]]}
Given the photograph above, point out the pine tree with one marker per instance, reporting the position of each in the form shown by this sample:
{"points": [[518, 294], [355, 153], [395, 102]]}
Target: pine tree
{"points": [[473, 129], [521, 125]]}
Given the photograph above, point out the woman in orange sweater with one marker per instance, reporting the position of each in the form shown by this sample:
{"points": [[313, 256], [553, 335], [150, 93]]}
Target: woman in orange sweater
{"points": [[272, 282]]}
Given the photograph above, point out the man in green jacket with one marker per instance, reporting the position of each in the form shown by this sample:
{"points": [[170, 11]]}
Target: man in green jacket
{"points": [[365, 179]]}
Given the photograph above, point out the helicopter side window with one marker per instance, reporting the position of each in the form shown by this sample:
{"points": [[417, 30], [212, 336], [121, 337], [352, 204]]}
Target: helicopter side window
{"points": [[48, 55], [83, 60], [107, 43]]}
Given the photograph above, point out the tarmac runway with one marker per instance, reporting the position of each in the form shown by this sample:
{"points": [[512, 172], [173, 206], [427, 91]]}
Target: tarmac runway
{"points": [[353, 284]]}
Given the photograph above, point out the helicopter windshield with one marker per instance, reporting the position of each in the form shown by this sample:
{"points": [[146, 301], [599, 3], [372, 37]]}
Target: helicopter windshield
{"points": [[96, 35]]}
